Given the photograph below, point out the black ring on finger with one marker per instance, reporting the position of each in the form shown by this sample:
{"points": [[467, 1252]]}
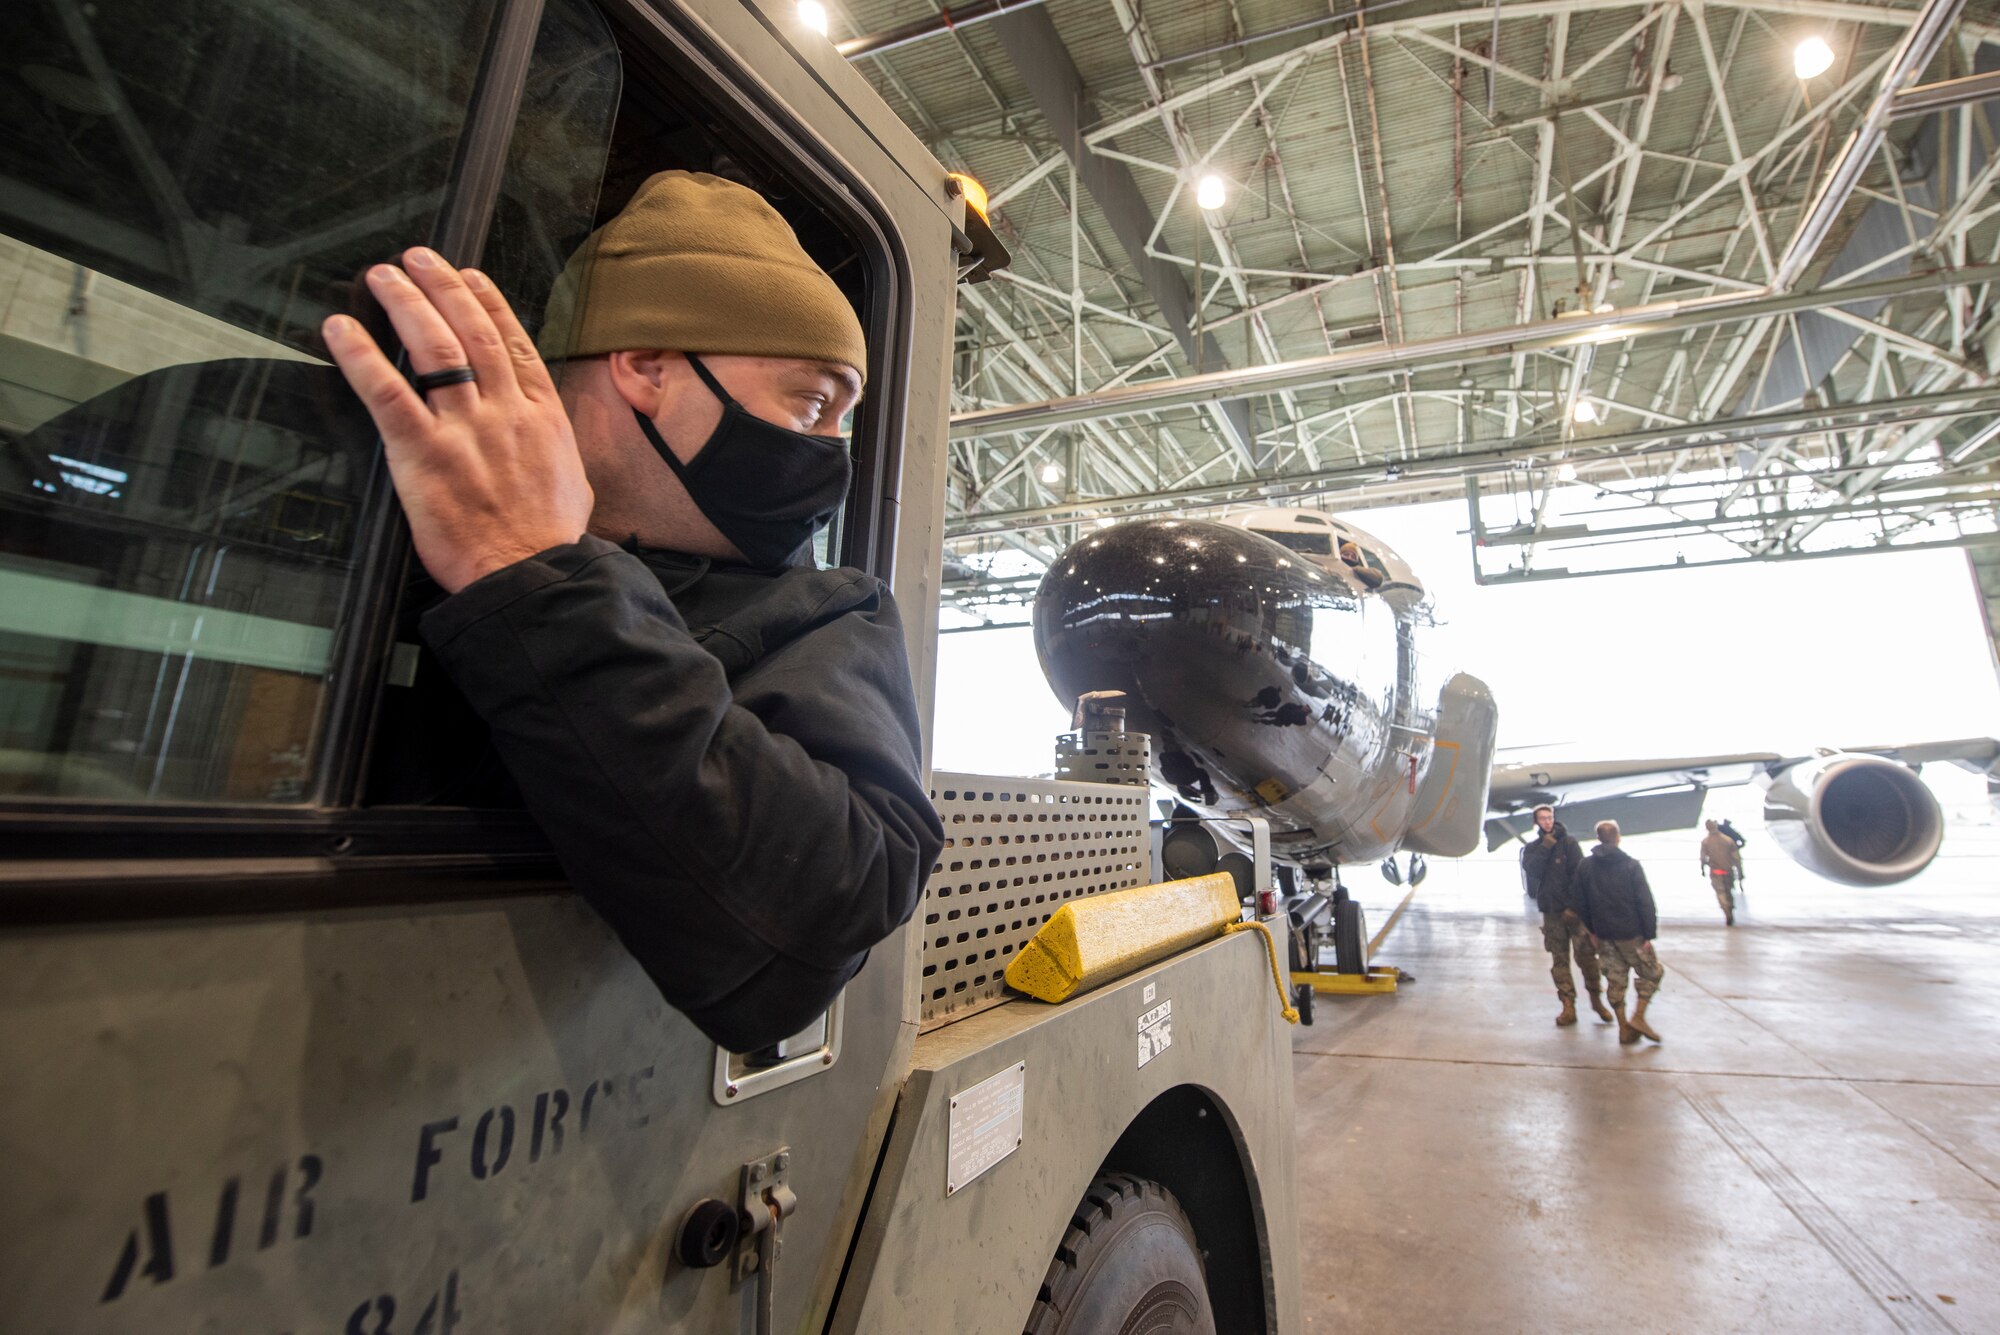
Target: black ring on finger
{"points": [[451, 375]]}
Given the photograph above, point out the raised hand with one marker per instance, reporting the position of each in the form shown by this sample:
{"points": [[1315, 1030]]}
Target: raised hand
{"points": [[487, 470]]}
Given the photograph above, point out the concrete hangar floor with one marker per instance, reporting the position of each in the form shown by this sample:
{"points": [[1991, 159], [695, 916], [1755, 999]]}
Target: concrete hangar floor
{"points": [[1814, 1146]]}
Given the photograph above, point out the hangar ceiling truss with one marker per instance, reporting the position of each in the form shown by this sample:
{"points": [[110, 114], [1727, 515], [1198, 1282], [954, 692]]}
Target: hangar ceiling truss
{"points": [[1470, 251]]}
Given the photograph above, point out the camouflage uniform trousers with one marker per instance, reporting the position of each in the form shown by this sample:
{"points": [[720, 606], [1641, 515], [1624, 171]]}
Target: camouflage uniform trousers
{"points": [[1724, 883], [1617, 956], [1562, 940]]}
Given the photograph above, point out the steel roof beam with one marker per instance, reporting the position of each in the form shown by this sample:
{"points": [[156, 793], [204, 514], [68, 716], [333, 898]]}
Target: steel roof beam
{"points": [[1451, 350], [1926, 98], [1636, 227], [1912, 55], [1507, 455], [1421, 26], [1046, 67], [1121, 452], [1191, 161], [945, 20]]}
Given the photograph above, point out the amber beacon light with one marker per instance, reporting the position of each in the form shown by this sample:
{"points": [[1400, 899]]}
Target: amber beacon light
{"points": [[975, 193]]}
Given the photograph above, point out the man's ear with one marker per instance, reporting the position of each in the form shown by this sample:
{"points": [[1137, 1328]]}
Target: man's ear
{"points": [[643, 379]]}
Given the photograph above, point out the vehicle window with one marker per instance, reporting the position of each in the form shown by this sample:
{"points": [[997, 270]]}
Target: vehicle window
{"points": [[555, 159], [431, 749], [189, 189]]}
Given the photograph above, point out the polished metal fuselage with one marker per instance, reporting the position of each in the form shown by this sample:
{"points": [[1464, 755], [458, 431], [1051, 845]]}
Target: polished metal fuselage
{"points": [[1273, 684]]}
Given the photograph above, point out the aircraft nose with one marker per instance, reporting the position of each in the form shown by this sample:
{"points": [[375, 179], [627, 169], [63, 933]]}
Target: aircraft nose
{"points": [[1178, 614], [1124, 579]]}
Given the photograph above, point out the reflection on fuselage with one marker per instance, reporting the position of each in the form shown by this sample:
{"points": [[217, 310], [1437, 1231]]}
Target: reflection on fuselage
{"points": [[1272, 684]]}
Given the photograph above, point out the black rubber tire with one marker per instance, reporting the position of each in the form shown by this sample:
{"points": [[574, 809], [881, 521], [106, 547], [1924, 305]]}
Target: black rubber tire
{"points": [[1128, 1265], [1287, 879], [1350, 943]]}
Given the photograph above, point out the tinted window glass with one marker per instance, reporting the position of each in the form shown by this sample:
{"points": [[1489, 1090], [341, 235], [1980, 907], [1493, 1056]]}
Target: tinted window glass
{"points": [[1311, 544], [189, 190], [555, 159]]}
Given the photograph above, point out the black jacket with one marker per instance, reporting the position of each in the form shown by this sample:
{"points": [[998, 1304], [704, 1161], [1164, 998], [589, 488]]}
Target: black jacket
{"points": [[1613, 897], [1548, 870], [726, 760]]}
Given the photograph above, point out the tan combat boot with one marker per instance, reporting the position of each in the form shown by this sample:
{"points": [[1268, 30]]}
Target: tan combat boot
{"points": [[1638, 1021], [1626, 1033], [1568, 1015], [1597, 1004]]}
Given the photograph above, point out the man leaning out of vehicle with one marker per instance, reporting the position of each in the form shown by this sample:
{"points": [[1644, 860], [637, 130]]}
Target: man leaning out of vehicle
{"points": [[719, 738]]}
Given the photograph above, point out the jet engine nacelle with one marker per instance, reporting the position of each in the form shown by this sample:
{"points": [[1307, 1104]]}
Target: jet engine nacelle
{"points": [[1856, 819]]}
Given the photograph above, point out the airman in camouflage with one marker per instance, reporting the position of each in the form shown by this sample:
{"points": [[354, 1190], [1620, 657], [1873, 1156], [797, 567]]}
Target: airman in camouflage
{"points": [[1617, 906], [1548, 874], [1722, 861]]}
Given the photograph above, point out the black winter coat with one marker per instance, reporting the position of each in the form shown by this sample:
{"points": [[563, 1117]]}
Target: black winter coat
{"points": [[1613, 897], [726, 760], [1548, 870]]}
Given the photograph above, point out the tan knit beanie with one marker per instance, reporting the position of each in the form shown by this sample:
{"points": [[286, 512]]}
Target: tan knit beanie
{"points": [[698, 264]]}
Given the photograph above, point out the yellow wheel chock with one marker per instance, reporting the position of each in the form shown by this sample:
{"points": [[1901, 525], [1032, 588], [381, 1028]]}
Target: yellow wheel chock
{"points": [[1379, 978]]}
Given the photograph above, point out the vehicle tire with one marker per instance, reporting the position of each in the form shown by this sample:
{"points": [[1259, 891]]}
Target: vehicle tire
{"points": [[1127, 1265], [1350, 938]]}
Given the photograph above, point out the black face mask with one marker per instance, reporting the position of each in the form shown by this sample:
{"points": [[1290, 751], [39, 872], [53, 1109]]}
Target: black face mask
{"points": [[765, 488]]}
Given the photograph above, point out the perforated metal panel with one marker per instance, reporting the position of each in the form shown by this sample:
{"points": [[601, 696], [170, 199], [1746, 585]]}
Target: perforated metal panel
{"points": [[1015, 851], [1105, 757]]}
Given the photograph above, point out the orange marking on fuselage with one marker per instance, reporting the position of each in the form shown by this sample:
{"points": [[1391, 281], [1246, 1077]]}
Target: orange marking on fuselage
{"points": [[1449, 775]]}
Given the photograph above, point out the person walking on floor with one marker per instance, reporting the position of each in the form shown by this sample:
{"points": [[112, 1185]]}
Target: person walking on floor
{"points": [[1548, 874], [1722, 861], [1617, 906]]}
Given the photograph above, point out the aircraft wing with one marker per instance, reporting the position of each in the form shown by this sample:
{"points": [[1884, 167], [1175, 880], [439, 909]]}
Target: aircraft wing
{"points": [[1646, 796]]}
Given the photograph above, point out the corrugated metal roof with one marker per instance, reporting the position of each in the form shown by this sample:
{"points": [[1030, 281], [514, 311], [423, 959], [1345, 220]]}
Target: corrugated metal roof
{"points": [[1306, 214]]}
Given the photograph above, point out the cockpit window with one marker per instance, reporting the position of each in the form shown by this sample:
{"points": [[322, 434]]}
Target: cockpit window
{"points": [[1309, 544]]}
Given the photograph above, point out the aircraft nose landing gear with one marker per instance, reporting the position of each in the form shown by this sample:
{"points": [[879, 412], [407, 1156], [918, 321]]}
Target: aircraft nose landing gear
{"points": [[1328, 914]]}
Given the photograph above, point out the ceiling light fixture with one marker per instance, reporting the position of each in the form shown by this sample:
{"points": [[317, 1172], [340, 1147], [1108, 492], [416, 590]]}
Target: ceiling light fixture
{"points": [[1051, 472], [813, 14], [1585, 412], [1211, 194], [1812, 58]]}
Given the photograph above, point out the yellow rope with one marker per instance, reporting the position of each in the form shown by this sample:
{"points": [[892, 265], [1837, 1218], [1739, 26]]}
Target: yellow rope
{"points": [[1285, 1007]]}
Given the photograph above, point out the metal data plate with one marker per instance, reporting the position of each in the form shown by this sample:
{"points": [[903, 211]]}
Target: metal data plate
{"points": [[986, 1122], [1015, 851]]}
